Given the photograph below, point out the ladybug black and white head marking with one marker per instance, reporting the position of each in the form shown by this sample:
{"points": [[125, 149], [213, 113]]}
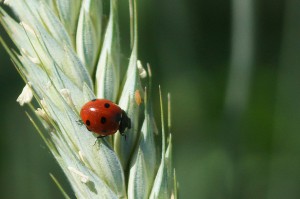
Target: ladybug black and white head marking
{"points": [[125, 123]]}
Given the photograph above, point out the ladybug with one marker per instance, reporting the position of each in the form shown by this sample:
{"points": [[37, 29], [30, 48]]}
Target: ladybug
{"points": [[104, 117]]}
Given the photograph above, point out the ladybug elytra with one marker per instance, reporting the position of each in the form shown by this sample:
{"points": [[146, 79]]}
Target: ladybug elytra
{"points": [[104, 117]]}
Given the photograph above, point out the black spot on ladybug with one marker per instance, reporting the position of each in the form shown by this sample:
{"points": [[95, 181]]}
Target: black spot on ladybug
{"points": [[103, 120], [88, 122], [93, 100], [106, 105], [104, 131]]}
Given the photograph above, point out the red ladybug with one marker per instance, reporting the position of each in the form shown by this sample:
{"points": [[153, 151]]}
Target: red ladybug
{"points": [[104, 117]]}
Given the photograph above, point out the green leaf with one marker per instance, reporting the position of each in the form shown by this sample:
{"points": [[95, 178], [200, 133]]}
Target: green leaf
{"points": [[110, 168], [53, 25], [59, 186], [108, 68], [23, 40], [35, 12], [144, 154], [47, 51], [88, 37], [169, 164], [138, 179], [161, 183], [64, 57], [127, 102], [23, 9], [160, 186], [88, 94], [68, 12]]}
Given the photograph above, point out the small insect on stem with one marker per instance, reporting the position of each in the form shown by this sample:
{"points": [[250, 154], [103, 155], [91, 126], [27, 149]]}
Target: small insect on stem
{"points": [[104, 118]]}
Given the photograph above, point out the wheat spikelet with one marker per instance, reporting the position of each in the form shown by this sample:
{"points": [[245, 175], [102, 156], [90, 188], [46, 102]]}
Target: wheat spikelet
{"points": [[67, 55]]}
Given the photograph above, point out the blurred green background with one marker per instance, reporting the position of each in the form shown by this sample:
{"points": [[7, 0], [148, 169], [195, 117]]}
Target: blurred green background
{"points": [[233, 71]]}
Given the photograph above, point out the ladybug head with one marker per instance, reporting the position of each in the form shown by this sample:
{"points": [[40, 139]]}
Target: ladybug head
{"points": [[125, 123]]}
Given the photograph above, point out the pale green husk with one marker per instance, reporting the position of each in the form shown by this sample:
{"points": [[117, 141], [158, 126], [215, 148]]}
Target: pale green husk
{"points": [[68, 54]]}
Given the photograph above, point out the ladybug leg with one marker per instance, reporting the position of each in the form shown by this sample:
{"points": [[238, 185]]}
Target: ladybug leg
{"points": [[79, 122], [101, 136]]}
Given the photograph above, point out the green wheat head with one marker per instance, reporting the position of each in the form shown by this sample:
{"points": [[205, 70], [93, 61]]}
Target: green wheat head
{"points": [[68, 54]]}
